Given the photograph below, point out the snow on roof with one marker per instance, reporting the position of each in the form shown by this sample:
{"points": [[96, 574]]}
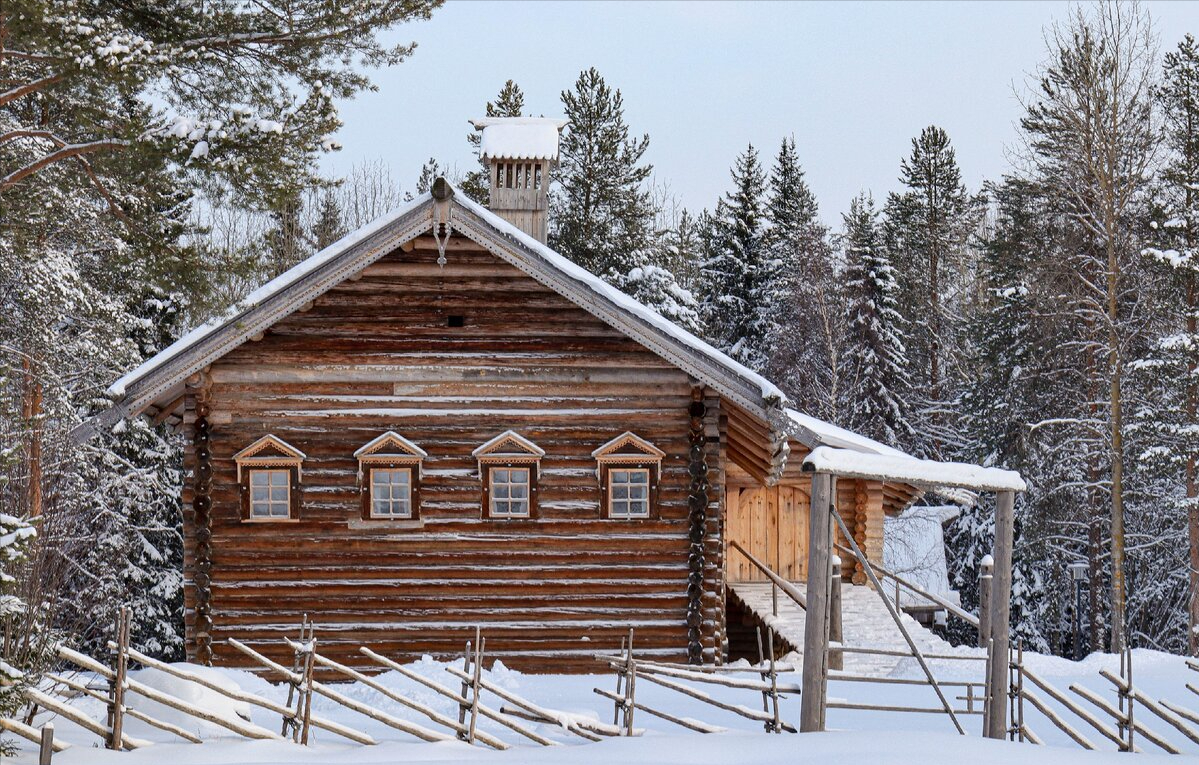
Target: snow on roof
{"points": [[905, 469], [519, 137], [246, 304], [831, 435]]}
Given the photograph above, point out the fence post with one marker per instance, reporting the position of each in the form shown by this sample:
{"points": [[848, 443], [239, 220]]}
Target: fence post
{"points": [[47, 745], [815, 655], [1001, 595], [309, 669], [985, 578], [118, 684], [836, 659]]}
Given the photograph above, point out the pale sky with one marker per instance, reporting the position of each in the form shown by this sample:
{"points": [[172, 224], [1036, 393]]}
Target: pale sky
{"points": [[853, 82]]}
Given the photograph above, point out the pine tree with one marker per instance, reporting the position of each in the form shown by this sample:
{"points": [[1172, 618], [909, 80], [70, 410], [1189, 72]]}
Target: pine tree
{"points": [[927, 230], [509, 103], [804, 318], [736, 288], [602, 213], [876, 381]]}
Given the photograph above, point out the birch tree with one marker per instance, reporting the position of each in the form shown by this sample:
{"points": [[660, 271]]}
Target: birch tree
{"points": [[1089, 136]]}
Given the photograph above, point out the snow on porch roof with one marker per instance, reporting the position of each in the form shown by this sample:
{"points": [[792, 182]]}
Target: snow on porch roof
{"points": [[916, 472]]}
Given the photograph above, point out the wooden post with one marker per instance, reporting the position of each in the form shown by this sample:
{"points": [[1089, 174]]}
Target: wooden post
{"points": [[1001, 595], [306, 695], [985, 568], [117, 715], [836, 659], [616, 704], [1018, 689], [474, 699], [815, 654], [774, 688], [47, 745]]}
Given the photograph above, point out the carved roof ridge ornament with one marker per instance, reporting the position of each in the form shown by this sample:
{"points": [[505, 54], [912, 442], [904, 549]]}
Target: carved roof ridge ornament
{"points": [[609, 452], [251, 456], [442, 192]]}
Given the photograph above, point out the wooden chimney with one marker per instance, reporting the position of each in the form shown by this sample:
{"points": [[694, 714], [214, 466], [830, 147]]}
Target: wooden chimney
{"points": [[520, 153]]}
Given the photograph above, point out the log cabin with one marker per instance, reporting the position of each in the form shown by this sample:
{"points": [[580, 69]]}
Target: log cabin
{"points": [[439, 422]]}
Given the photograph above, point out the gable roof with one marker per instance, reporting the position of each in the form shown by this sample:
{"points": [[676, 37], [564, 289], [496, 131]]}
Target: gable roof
{"points": [[158, 383]]}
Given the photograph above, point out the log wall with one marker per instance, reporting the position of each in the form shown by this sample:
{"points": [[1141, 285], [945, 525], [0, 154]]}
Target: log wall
{"points": [[378, 353]]}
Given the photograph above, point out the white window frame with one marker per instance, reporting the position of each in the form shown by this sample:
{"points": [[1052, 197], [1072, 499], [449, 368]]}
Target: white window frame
{"points": [[491, 491], [627, 513], [270, 503], [392, 500]]}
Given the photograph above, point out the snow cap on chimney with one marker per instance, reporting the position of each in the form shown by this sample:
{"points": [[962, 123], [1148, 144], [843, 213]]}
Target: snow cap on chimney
{"points": [[520, 154]]}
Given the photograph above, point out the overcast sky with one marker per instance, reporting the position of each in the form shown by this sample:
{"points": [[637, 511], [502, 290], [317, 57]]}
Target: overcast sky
{"points": [[853, 82]]}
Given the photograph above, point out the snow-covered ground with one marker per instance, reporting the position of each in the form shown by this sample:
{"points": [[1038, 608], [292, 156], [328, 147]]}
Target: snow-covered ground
{"points": [[896, 737]]}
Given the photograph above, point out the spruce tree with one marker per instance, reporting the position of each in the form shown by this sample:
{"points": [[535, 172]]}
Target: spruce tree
{"points": [[735, 276], [509, 103], [428, 173], [876, 380], [1168, 417], [804, 308], [329, 226], [602, 213]]}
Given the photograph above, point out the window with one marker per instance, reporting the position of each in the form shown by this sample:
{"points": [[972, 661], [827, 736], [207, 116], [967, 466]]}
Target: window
{"points": [[391, 492], [628, 489], [269, 472], [509, 492], [270, 493], [628, 467], [509, 465], [389, 471]]}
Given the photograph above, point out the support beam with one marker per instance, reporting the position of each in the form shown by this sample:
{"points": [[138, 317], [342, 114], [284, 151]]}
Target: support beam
{"points": [[1001, 596], [815, 653]]}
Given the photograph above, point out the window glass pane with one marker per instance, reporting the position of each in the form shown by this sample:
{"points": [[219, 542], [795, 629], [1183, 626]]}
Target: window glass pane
{"points": [[620, 476], [259, 493], [279, 494], [638, 491], [500, 475], [391, 492], [259, 478], [520, 490]]}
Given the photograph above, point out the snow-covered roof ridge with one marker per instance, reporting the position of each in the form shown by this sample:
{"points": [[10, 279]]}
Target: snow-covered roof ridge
{"points": [[902, 468], [519, 137]]}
